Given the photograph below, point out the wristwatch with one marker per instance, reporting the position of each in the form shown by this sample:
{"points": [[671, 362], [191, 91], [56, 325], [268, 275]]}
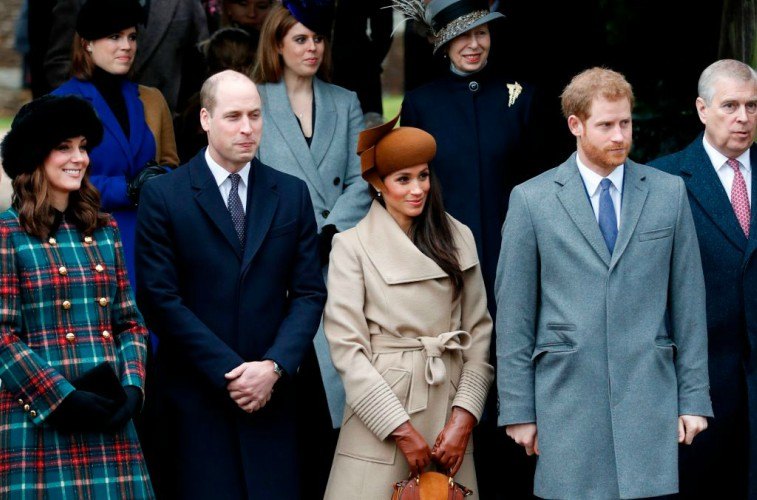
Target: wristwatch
{"points": [[278, 369]]}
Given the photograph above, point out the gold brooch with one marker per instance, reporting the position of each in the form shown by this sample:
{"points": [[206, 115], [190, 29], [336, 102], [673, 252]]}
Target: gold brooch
{"points": [[513, 91]]}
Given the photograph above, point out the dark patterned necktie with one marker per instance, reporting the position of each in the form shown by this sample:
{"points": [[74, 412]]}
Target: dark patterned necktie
{"points": [[235, 207]]}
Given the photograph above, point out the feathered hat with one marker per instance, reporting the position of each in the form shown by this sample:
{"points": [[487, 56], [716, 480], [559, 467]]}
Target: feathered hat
{"points": [[446, 19]]}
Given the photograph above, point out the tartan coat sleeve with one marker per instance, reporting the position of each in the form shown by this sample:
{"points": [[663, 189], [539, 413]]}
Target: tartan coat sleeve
{"points": [[25, 374], [129, 331]]}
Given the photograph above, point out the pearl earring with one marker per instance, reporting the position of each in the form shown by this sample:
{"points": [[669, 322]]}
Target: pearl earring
{"points": [[378, 194]]}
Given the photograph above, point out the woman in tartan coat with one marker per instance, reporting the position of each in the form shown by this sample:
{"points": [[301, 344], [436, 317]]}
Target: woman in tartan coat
{"points": [[65, 308]]}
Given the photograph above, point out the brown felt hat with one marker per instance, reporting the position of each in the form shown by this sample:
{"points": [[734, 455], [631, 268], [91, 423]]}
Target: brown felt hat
{"points": [[385, 149]]}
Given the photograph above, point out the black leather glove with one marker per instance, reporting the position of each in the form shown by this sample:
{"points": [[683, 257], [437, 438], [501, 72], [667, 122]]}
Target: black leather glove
{"points": [[83, 411], [324, 242], [151, 169], [128, 410]]}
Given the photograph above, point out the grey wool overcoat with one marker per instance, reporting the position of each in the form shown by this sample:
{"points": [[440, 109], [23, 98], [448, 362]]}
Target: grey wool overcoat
{"points": [[603, 352]]}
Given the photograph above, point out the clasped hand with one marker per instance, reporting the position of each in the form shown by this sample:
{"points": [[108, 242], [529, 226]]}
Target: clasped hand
{"points": [[251, 384]]}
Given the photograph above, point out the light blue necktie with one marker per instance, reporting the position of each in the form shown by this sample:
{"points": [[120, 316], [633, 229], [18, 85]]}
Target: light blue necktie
{"points": [[608, 223]]}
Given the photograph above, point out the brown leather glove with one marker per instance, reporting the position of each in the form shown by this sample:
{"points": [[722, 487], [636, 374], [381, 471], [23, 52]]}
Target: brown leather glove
{"points": [[413, 446], [449, 449]]}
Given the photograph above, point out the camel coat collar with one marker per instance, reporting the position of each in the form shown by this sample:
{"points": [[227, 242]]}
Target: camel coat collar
{"points": [[396, 257]]}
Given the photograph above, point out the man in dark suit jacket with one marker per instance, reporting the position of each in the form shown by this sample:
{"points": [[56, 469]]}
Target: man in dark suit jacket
{"points": [[231, 284], [717, 169]]}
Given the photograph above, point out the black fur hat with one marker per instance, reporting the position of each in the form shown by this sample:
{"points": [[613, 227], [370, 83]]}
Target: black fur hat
{"points": [[100, 18], [41, 125]]}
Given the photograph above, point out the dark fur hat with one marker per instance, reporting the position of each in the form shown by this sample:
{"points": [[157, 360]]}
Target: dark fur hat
{"points": [[44, 123], [100, 18]]}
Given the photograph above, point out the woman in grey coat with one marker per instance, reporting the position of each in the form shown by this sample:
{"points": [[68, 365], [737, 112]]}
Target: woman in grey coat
{"points": [[311, 131]]}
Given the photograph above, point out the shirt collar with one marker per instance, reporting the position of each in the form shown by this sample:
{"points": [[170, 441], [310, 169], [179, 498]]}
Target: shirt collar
{"points": [[718, 159], [220, 174], [592, 179]]}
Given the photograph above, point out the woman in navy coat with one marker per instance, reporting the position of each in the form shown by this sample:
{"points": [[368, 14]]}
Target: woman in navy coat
{"points": [[481, 123], [138, 141]]}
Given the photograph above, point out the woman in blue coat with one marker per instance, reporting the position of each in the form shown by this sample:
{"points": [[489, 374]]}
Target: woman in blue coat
{"points": [[311, 130], [481, 122], [138, 141]]}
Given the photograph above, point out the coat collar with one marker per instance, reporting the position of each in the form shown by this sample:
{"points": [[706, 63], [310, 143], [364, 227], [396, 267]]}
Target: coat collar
{"points": [[262, 200], [282, 117], [705, 187], [134, 108], [572, 195], [395, 256]]}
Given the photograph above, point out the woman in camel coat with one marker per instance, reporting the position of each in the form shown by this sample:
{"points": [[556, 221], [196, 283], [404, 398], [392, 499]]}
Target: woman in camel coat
{"points": [[408, 329]]}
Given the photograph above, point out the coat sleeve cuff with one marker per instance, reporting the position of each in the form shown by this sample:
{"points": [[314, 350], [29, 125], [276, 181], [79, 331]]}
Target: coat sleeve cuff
{"points": [[472, 391], [511, 415], [380, 410], [700, 406]]}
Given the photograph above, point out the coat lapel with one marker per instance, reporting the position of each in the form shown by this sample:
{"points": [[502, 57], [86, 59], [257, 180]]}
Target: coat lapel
{"points": [[634, 195], [325, 121], [396, 257], [704, 185], [280, 112], [107, 117], [208, 196], [575, 201], [158, 25], [262, 200], [752, 243]]}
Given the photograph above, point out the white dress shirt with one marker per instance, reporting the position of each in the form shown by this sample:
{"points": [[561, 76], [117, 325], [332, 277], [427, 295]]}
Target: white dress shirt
{"points": [[221, 176], [726, 173], [591, 182]]}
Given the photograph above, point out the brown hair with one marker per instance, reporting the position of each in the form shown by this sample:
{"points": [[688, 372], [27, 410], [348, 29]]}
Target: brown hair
{"points": [[269, 66], [35, 213], [431, 232], [82, 65], [595, 82]]}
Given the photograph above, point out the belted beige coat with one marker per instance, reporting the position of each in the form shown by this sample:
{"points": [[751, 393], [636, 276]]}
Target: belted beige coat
{"points": [[405, 347]]}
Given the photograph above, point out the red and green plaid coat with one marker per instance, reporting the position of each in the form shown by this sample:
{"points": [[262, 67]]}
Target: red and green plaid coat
{"points": [[65, 307]]}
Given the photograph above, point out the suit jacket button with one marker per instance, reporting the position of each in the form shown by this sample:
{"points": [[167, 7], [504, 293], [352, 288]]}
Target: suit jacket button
{"points": [[473, 86], [102, 301], [27, 407], [99, 268], [337, 180], [70, 337], [32, 413], [66, 305], [325, 214], [106, 334], [21, 401], [62, 270]]}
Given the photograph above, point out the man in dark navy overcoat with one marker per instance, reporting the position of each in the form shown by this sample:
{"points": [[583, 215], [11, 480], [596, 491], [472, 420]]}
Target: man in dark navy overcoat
{"points": [[230, 282], [718, 171]]}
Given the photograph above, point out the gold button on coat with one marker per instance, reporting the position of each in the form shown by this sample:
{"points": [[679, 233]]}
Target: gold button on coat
{"points": [[32, 413], [87, 239], [99, 268], [52, 241], [66, 304], [106, 334], [62, 270], [103, 301], [21, 401], [27, 407], [70, 337]]}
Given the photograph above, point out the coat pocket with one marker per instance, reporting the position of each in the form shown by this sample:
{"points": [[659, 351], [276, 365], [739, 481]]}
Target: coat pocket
{"points": [[357, 441], [551, 347], [282, 229], [666, 343], [656, 234], [561, 327]]}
